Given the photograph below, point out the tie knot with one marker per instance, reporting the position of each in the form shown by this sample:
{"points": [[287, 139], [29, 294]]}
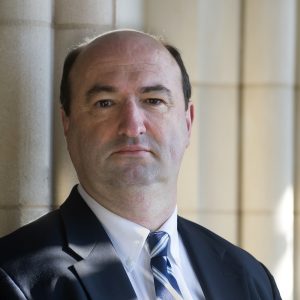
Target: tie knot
{"points": [[158, 243]]}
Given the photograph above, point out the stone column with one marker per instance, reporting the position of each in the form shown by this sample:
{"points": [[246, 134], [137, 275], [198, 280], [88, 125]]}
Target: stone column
{"points": [[267, 136], [25, 115], [74, 22], [208, 185], [297, 194], [129, 14], [297, 165]]}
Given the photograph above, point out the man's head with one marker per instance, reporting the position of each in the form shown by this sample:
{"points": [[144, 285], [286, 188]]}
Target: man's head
{"points": [[127, 124], [65, 88]]}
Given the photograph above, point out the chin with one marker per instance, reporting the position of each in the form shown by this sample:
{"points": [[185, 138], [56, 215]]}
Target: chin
{"points": [[134, 176]]}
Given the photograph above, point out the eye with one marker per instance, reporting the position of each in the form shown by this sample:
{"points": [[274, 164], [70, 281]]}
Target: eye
{"points": [[154, 101], [104, 103]]}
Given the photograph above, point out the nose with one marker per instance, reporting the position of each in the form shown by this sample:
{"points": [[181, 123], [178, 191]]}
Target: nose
{"points": [[131, 119]]}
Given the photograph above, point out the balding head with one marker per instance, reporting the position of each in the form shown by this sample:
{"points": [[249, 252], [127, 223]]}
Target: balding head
{"points": [[119, 43], [122, 42]]}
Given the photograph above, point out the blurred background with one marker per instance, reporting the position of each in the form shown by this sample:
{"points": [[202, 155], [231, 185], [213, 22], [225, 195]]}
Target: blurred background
{"points": [[241, 174]]}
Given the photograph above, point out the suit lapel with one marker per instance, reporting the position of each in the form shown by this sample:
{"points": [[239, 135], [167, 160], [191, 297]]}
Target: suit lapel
{"points": [[99, 269], [101, 272], [219, 276]]}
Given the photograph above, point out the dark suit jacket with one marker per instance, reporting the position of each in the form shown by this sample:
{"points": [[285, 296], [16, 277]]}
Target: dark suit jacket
{"points": [[68, 255]]}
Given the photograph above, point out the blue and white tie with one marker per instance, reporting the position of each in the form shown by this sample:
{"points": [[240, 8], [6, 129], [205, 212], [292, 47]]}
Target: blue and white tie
{"points": [[166, 287]]}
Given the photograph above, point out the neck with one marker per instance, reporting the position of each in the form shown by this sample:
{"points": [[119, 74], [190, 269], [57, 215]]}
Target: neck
{"points": [[148, 206]]}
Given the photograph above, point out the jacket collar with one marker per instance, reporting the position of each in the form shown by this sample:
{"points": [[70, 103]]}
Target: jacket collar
{"points": [[219, 275], [99, 269]]}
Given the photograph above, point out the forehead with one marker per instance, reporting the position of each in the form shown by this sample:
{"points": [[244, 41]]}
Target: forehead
{"points": [[125, 54]]}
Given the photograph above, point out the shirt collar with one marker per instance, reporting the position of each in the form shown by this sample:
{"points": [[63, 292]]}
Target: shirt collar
{"points": [[127, 237]]}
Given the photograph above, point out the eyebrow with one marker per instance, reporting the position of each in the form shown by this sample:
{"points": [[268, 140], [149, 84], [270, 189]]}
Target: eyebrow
{"points": [[155, 88], [98, 88]]}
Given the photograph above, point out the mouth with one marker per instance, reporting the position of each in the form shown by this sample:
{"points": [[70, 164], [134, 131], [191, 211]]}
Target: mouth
{"points": [[132, 150]]}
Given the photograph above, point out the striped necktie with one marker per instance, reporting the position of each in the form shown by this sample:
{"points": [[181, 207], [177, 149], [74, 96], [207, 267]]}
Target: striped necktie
{"points": [[166, 287]]}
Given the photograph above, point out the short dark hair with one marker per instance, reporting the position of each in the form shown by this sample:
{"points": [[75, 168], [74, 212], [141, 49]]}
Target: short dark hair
{"points": [[65, 86], [185, 79]]}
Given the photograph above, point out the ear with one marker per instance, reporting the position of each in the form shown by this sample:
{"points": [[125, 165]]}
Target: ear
{"points": [[189, 116], [65, 121]]}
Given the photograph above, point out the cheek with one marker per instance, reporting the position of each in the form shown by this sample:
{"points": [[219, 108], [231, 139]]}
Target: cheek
{"points": [[172, 132], [177, 149], [177, 142], [78, 137], [182, 136]]}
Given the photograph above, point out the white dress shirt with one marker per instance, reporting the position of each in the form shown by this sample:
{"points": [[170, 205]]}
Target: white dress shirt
{"points": [[128, 239]]}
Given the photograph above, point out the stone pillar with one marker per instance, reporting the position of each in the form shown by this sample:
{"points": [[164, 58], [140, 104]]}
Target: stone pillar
{"points": [[297, 165], [297, 194], [129, 14], [25, 115], [267, 136], [208, 185], [74, 22]]}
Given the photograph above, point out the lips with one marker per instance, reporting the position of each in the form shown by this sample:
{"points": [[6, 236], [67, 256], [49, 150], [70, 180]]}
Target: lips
{"points": [[132, 150]]}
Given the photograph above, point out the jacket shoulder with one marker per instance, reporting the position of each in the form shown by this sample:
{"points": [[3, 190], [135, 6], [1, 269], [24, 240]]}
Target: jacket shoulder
{"points": [[215, 241], [31, 238], [233, 258], [197, 233]]}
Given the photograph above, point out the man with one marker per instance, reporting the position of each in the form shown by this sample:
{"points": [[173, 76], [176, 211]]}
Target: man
{"points": [[127, 119]]}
